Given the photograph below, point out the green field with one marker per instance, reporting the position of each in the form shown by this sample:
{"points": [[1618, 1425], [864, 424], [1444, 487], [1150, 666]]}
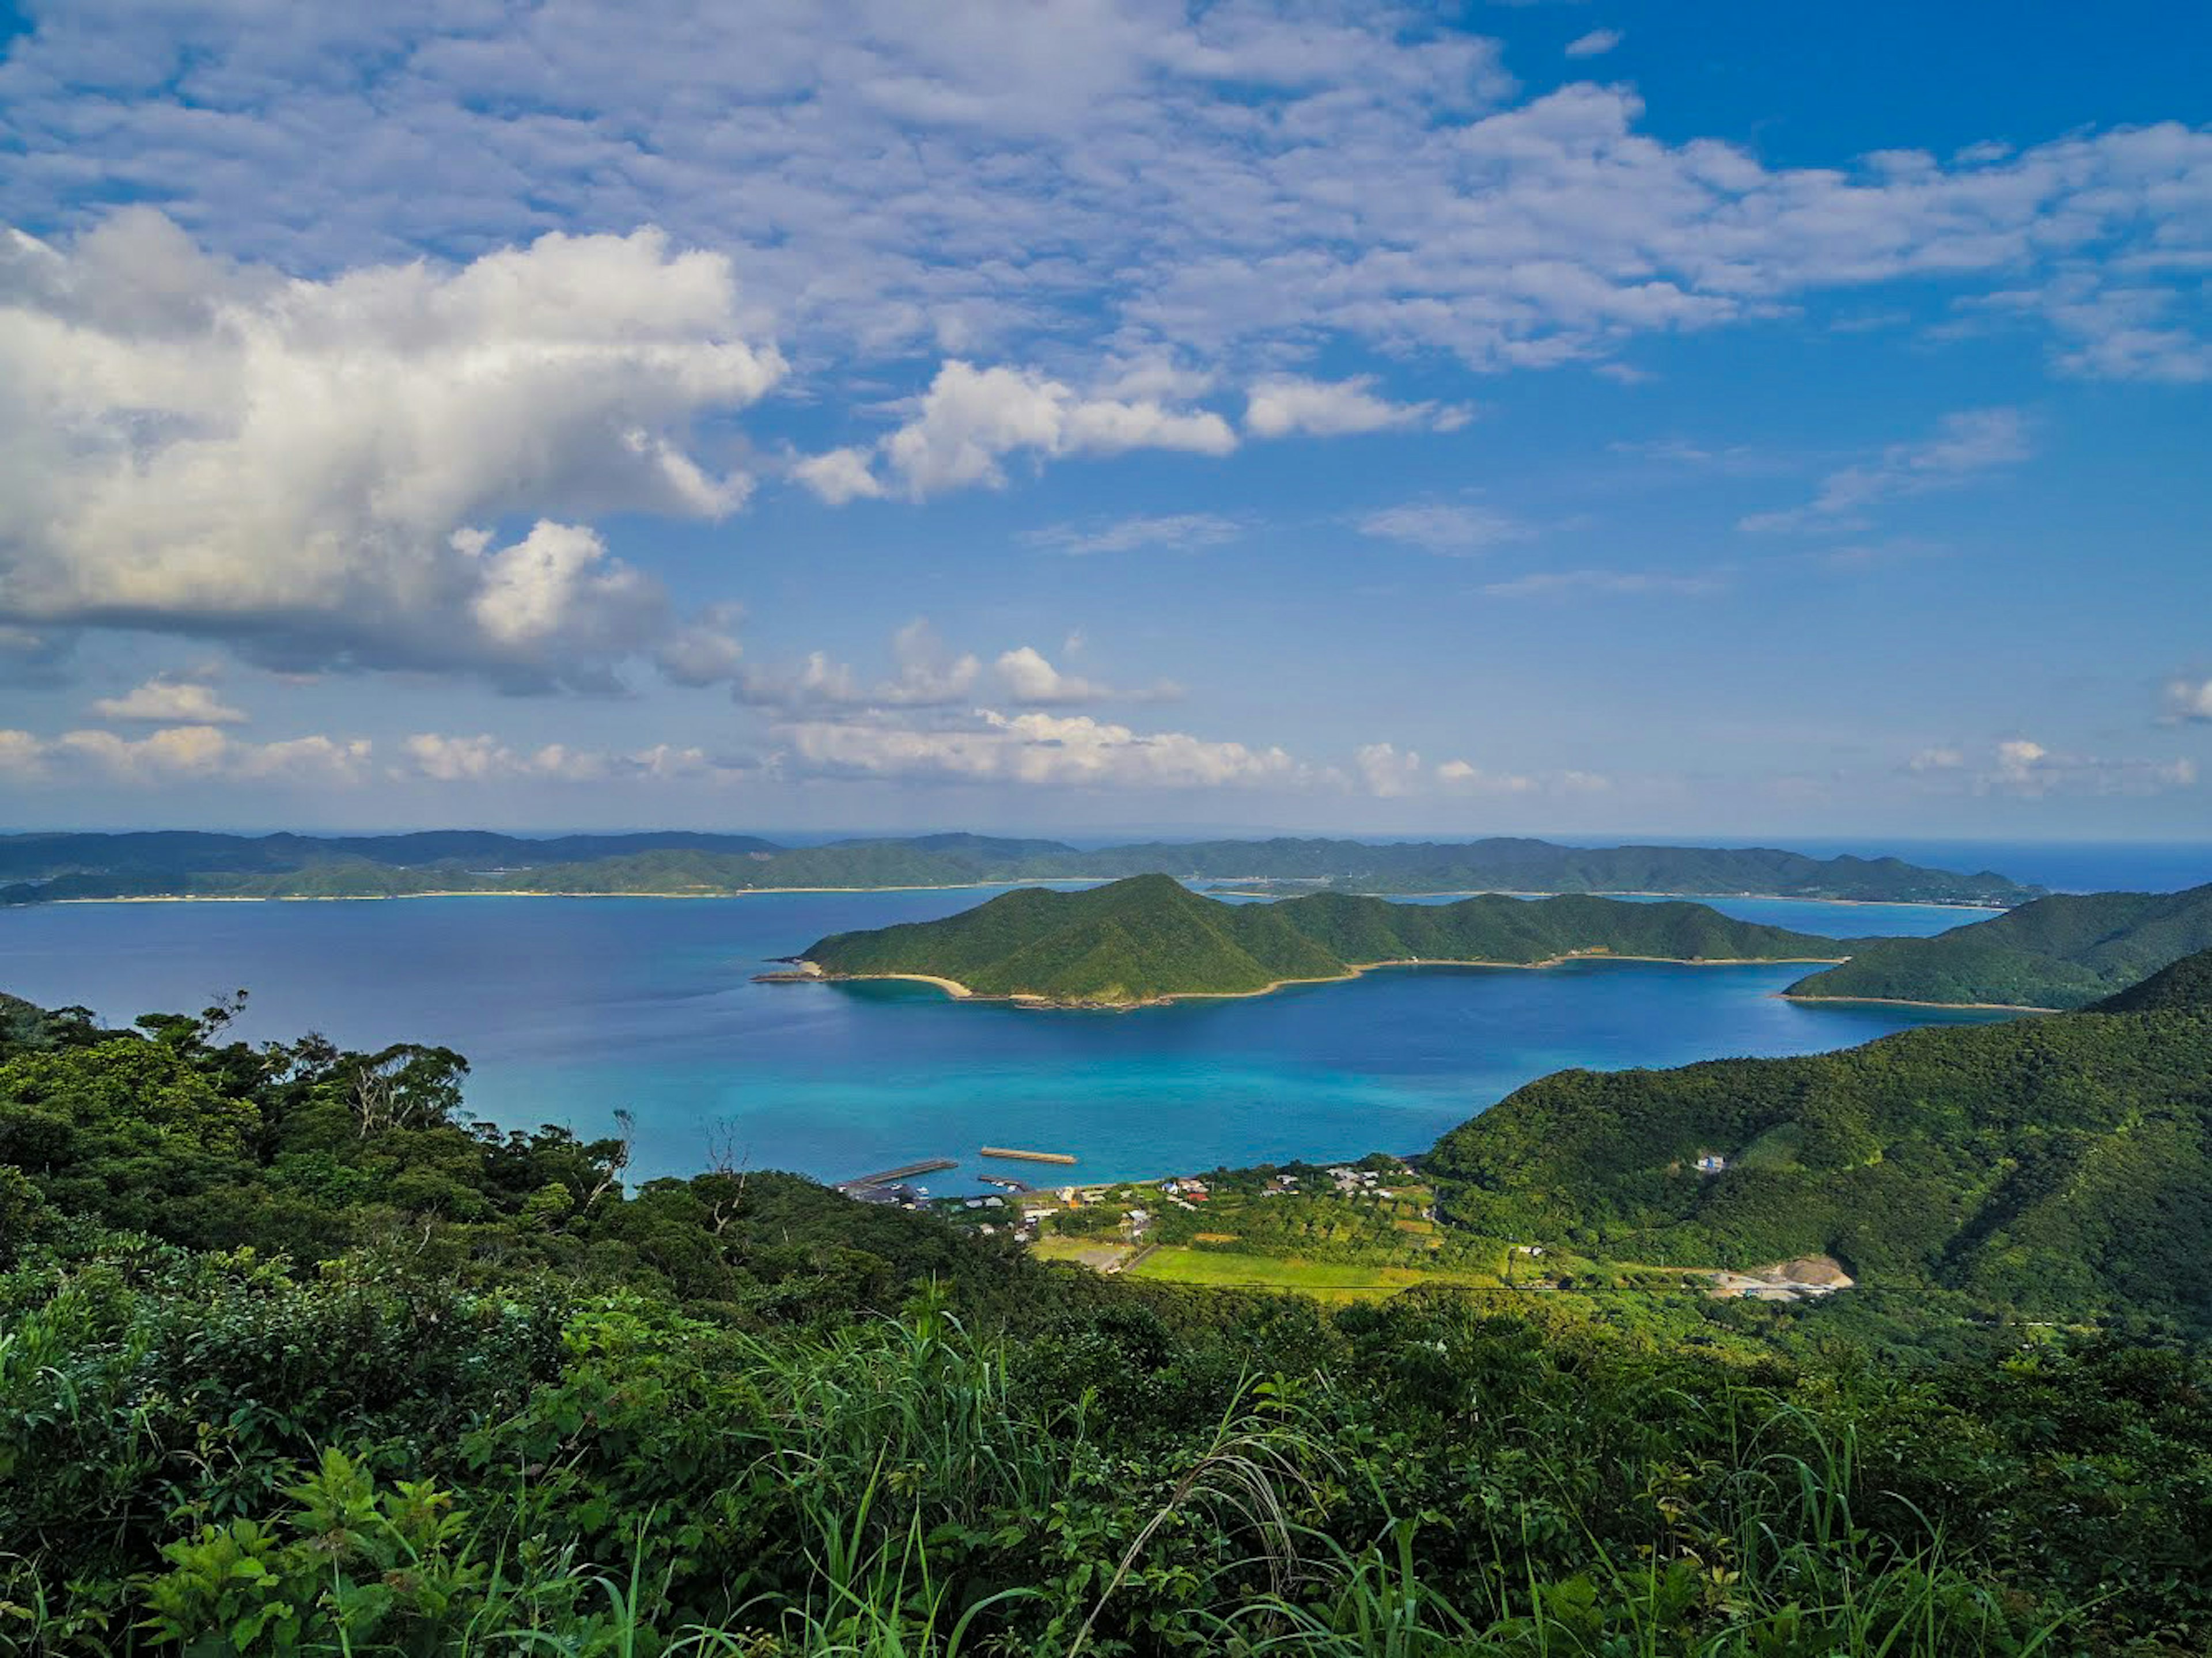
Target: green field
{"points": [[1325, 1280]]}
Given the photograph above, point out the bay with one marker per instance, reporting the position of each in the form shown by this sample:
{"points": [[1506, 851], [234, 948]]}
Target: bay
{"points": [[572, 1008]]}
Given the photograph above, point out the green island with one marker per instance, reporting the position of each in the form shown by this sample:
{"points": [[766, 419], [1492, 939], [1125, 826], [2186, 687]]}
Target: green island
{"points": [[297, 1357], [40, 868], [2062, 951], [1149, 939]]}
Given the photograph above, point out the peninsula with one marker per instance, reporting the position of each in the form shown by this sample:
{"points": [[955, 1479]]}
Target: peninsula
{"points": [[43, 868], [1149, 939], [2053, 1167], [2057, 952]]}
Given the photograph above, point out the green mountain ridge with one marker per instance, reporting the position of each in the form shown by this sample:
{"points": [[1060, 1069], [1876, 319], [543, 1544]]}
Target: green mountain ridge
{"points": [[2060, 1165], [43, 867], [2064, 952], [1149, 938]]}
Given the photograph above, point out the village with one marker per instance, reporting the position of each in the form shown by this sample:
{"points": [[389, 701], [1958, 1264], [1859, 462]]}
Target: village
{"points": [[1341, 1231]]}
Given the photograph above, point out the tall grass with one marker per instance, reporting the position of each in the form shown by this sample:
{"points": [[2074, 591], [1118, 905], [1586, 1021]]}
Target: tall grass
{"points": [[916, 1502]]}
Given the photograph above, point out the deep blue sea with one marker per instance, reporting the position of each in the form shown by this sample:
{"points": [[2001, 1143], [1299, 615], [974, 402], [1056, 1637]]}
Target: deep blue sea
{"points": [[570, 1008]]}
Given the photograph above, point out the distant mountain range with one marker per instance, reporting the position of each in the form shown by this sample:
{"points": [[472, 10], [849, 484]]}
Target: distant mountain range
{"points": [[2060, 1167], [1149, 938], [46, 867], [2057, 952]]}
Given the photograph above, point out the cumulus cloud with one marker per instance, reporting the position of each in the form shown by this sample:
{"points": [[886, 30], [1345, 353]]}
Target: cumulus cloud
{"points": [[1174, 531], [302, 468], [1282, 406], [839, 475], [1596, 44], [163, 701], [1037, 749], [1029, 678], [178, 753], [1441, 527], [1387, 772], [1965, 446], [970, 419]]}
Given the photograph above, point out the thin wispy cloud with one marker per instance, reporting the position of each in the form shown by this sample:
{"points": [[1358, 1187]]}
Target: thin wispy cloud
{"points": [[1181, 532], [1965, 447], [1454, 529], [1596, 44]]}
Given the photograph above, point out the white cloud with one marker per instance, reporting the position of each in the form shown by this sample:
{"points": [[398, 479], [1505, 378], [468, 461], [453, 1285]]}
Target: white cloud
{"points": [[2021, 766], [182, 752], [1176, 531], [296, 465], [163, 701], [1390, 773], [1387, 772], [1596, 44], [1189, 183], [1039, 749], [1284, 405], [1965, 446], [839, 475], [441, 758], [970, 419], [1441, 527], [1029, 678], [2189, 699], [926, 674]]}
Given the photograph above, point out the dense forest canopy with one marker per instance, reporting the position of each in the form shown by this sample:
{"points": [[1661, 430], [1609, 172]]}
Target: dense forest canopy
{"points": [[2062, 951], [44, 867], [1149, 938], [2057, 1166]]}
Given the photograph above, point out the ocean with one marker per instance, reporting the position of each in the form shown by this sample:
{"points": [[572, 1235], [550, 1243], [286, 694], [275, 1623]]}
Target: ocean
{"points": [[570, 1008]]}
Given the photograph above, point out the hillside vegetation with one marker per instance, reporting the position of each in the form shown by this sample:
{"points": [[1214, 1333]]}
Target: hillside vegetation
{"points": [[2061, 1166], [294, 1358], [1149, 938], [44, 867], [2064, 952]]}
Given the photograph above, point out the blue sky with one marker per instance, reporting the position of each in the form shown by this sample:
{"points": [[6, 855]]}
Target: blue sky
{"points": [[1733, 420]]}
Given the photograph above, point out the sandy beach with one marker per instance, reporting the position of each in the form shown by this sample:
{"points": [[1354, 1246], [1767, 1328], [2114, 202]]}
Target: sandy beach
{"points": [[964, 993]]}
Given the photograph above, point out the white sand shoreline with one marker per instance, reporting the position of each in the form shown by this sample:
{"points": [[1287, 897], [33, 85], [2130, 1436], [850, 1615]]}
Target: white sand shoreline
{"points": [[979, 886], [815, 972]]}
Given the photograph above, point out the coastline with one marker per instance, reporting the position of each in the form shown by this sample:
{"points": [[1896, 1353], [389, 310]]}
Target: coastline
{"points": [[1977, 904], [1019, 881], [539, 892], [811, 972], [1906, 1001]]}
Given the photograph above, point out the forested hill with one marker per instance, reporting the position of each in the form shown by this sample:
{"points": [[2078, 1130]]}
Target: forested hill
{"points": [[48, 866], [2059, 1165], [2064, 952], [1149, 938]]}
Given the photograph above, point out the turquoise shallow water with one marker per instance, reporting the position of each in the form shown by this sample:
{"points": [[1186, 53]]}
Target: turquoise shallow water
{"points": [[570, 1008]]}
